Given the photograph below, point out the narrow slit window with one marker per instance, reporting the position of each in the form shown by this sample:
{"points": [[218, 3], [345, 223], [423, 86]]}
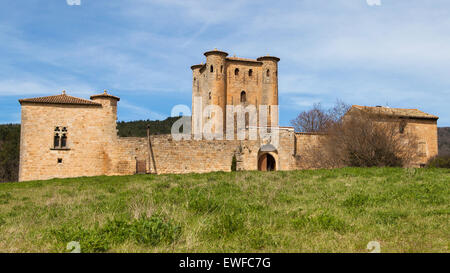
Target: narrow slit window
{"points": [[56, 141], [236, 71], [211, 69], [64, 141], [243, 97], [250, 72], [268, 73]]}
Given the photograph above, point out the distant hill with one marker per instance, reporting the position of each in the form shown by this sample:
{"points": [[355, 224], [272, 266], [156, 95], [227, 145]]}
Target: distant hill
{"points": [[444, 140]]}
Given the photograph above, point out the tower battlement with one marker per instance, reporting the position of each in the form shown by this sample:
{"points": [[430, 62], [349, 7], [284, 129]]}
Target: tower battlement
{"points": [[224, 81]]}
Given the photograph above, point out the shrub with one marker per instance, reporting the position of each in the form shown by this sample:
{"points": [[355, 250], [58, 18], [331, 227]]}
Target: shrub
{"points": [[363, 140], [439, 162], [233, 163]]}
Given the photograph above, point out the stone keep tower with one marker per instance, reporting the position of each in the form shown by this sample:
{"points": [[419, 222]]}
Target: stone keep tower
{"points": [[235, 81]]}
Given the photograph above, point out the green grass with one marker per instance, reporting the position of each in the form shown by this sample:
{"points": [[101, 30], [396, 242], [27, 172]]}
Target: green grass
{"points": [[341, 210]]}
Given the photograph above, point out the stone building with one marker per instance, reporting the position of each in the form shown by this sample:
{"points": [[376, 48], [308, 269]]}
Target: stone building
{"points": [[65, 136], [224, 81]]}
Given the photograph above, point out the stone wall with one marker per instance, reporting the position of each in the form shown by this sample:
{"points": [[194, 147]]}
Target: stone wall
{"points": [[307, 149], [86, 140], [192, 156]]}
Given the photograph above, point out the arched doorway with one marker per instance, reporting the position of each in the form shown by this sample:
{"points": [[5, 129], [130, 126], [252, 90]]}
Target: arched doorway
{"points": [[266, 163]]}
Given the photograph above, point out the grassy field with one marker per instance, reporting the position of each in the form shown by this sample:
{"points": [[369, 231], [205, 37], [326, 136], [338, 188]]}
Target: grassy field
{"points": [[405, 210]]}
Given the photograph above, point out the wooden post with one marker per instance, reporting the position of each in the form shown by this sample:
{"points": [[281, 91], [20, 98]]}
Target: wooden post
{"points": [[150, 152]]}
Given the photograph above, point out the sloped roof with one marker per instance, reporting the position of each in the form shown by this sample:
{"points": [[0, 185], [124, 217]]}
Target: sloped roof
{"points": [[104, 95], [396, 112], [60, 99]]}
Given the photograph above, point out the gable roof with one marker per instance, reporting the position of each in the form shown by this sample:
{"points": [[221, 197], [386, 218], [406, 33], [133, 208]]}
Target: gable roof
{"points": [[60, 99], [395, 112]]}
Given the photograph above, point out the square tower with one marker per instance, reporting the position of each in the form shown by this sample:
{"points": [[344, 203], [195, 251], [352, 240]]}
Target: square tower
{"points": [[231, 81]]}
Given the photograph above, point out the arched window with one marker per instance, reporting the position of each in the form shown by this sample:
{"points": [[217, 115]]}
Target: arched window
{"points": [[63, 141], [250, 72], [221, 68], [243, 96], [60, 138], [56, 141], [236, 71], [212, 69], [268, 73]]}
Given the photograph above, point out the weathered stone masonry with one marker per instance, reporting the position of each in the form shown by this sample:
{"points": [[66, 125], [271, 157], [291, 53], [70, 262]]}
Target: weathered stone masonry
{"points": [[65, 136]]}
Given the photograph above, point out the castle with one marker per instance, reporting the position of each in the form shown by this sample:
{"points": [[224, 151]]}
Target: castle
{"points": [[65, 136]]}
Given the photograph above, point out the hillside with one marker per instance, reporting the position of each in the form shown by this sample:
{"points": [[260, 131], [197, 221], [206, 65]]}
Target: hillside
{"points": [[299, 211], [138, 128], [444, 140]]}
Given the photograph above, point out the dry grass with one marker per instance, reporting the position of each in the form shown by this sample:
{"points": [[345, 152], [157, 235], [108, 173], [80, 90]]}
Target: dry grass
{"points": [[406, 210]]}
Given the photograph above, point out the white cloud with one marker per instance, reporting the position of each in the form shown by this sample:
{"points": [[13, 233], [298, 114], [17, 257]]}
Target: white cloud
{"points": [[73, 2]]}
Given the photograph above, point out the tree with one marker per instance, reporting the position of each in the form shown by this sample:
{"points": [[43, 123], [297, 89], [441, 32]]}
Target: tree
{"points": [[362, 140], [9, 152], [313, 120], [318, 119]]}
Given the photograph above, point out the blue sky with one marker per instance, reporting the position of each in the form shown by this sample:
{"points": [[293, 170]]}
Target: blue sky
{"points": [[395, 54]]}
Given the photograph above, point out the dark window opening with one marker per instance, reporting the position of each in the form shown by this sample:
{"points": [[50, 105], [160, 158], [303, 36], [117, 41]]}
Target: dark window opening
{"points": [[56, 141], [268, 73], [236, 71], [250, 72], [221, 68], [212, 69], [243, 96], [59, 160], [60, 138], [63, 141], [209, 95]]}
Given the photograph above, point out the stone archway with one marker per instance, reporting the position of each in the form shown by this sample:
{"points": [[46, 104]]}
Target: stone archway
{"points": [[268, 158], [267, 163]]}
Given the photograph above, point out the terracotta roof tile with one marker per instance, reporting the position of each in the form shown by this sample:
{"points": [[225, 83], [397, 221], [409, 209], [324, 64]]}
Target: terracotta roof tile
{"points": [[397, 112], [104, 95], [60, 99]]}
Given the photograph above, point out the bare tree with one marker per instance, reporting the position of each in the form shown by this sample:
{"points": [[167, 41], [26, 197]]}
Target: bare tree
{"points": [[313, 120], [363, 140], [318, 119]]}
